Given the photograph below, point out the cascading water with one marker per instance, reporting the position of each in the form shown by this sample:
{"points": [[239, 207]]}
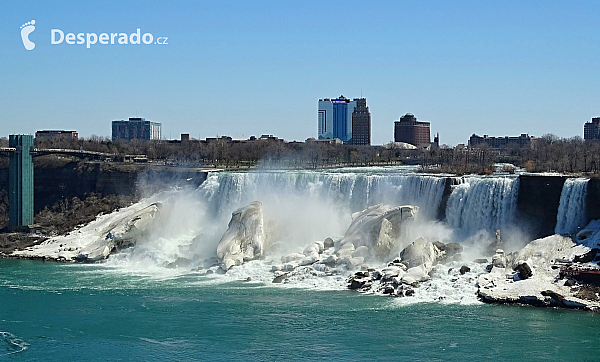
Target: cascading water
{"points": [[482, 203], [572, 210], [352, 191]]}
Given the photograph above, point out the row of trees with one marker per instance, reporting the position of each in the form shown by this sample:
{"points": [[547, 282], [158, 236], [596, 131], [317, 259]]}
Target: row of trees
{"points": [[546, 154]]}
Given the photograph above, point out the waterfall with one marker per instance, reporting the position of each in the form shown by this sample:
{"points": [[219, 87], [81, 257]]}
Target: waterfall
{"points": [[572, 207], [483, 203], [352, 191]]}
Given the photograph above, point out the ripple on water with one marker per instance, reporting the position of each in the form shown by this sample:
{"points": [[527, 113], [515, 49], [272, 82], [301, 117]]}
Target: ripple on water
{"points": [[11, 344]]}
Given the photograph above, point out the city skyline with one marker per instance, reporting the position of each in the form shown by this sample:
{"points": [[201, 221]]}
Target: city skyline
{"points": [[231, 68]]}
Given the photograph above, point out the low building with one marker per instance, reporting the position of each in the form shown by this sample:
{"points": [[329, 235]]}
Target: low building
{"points": [[591, 130], [524, 140], [55, 135]]}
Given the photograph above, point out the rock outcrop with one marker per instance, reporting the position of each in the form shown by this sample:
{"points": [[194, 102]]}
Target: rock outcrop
{"points": [[245, 238], [533, 276], [378, 228], [120, 234]]}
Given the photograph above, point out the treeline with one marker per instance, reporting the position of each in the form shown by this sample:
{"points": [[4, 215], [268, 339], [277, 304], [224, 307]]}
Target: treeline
{"points": [[546, 154]]}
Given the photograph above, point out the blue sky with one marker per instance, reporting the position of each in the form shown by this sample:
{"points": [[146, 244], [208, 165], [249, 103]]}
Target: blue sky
{"points": [[245, 68]]}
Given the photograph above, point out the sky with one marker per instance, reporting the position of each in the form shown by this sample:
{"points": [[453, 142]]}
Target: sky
{"points": [[242, 68]]}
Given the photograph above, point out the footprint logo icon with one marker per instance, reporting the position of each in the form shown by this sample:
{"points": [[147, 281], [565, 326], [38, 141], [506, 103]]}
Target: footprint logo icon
{"points": [[27, 29]]}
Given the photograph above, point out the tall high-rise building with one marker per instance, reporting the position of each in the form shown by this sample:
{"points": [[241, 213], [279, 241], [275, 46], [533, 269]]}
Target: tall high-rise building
{"points": [[335, 118], [135, 128], [591, 130], [361, 123], [409, 130]]}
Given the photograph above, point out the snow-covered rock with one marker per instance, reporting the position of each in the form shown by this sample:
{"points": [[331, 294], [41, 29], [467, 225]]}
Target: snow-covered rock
{"points": [[420, 252], [245, 238], [532, 276], [120, 234], [99, 238], [378, 227]]}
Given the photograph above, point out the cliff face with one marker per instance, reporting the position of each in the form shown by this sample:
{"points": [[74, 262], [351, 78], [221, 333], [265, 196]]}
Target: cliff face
{"points": [[537, 204], [593, 199], [75, 179]]}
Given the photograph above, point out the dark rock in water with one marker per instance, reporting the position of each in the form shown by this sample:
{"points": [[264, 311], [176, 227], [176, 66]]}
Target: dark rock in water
{"points": [[328, 243], [556, 300], [396, 261], [280, 278], [449, 270], [248, 279], [408, 292], [388, 289], [356, 284], [489, 267], [361, 274], [209, 271], [464, 269], [587, 257], [523, 270], [376, 275], [480, 261]]}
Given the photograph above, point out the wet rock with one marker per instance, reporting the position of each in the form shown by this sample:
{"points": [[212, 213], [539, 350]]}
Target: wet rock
{"points": [[357, 283], [480, 261], [464, 269], [523, 270], [280, 278], [419, 252], [388, 289], [328, 243]]}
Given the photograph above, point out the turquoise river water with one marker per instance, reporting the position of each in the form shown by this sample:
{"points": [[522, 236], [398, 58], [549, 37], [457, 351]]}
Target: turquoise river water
{"points": [[52, 312]]}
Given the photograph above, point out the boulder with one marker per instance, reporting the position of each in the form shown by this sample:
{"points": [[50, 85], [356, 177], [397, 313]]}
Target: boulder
{"points": [[523, 270], [419, 252], [328, 243], [464, 269], [361, 251], [378, 227], [499, 259], [314, 248], [417, 274], [244, 239], [280, 278]]}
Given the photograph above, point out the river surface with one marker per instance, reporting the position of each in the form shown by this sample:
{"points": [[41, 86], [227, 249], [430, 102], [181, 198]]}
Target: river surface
{"points": [[58, 312]]}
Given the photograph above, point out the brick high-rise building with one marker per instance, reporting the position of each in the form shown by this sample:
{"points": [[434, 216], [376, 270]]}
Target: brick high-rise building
{"points": [[361, 123], [591, 130], [411, 131]]}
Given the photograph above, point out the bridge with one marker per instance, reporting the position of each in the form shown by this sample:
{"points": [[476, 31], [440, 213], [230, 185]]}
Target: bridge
{"points": [[20, 175]]}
